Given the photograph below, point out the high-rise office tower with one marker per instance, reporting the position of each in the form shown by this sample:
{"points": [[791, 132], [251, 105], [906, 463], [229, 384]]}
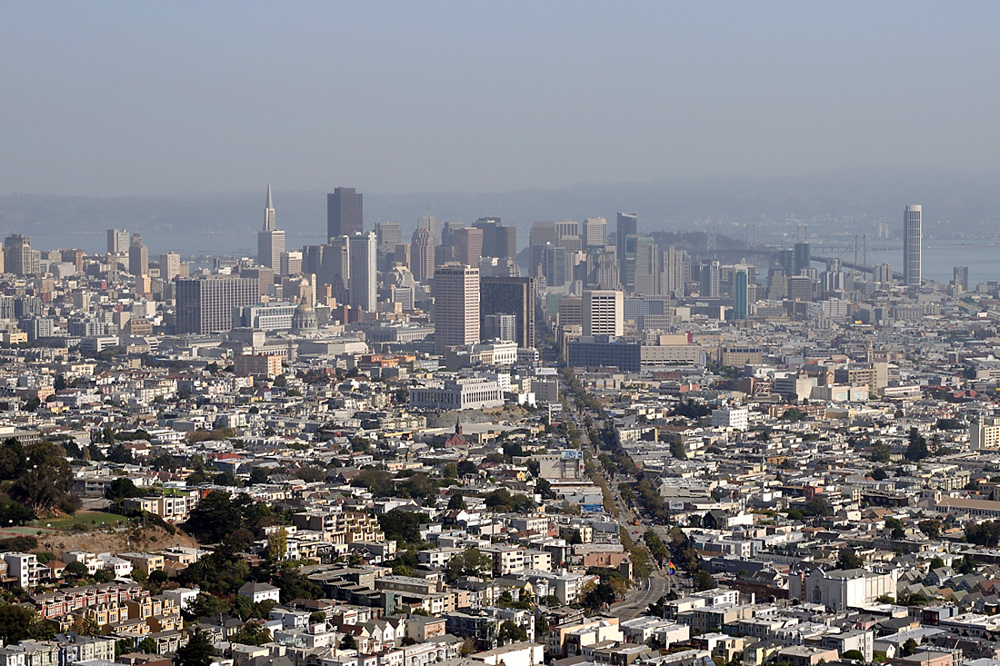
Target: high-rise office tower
{"points": [[513, 296], [344, 212], [566, 228], [549, 261], [602, 269], [17, 255], [456, 306], [433, 226], [603, 313], [498, 327], [628, 225], [801, 258], [961, 277], [170, 266], [741, 293], [542, 233], [118, 241], [499, 241], [270, 240], [647, 266], [676, 272], [364, 279], [422, 255], [468, 244], [912, 239], [206, 305], [388, 234], [595, 232], [711, 280], [787, 260], [291, 263], [138, 257]]}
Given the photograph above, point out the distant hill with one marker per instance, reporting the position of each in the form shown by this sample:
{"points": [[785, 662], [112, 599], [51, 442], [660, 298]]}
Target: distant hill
{"points": [[956, 204]]}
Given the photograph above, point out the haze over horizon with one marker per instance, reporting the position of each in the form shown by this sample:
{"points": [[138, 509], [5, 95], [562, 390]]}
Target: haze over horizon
{"points": [[102, 99]]}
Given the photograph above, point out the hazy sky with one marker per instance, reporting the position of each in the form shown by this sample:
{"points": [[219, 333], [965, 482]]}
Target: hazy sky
{"points": [[174, 97]]}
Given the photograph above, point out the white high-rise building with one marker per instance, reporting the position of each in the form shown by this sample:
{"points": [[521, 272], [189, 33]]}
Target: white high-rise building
{"points": [[603, 313], [363, 251], [595, 232], [912, 237], [456, 306]]}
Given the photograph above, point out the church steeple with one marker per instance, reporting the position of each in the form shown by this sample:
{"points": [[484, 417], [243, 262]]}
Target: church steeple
{"points": [[269, 223]]}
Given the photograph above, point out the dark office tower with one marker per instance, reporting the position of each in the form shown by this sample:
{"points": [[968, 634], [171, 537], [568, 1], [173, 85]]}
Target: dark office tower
{"points": [[468, 244], [117, 241], [787, 260], [647, 266], [961, 277], [138, 257], [499, 242], [344, 212], [741, 293], [801, 259], [912, 237], [553, 265], [422, 255], [511, 296], [628, 225], [711, 280], [206, 305], [542, 233], [17, 255], [388, 234]]}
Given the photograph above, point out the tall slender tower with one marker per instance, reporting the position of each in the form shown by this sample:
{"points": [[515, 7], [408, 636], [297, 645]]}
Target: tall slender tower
{"points": [[912, 237], [270, 240], [625, 235], [363, 251]]}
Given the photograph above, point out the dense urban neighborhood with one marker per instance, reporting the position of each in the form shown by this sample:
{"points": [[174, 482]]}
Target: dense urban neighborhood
{"points": [[607, 449]]}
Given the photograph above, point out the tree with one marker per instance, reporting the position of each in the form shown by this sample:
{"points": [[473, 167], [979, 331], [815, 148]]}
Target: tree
{"points": [[544, 488], [311, 474], [147, 645], [909, 647], [403, 526], [253, 633], [46, 480], [259, 475], [599, 596], [470, 562], [677, 449], [880, 453], [703, 580], [14, 513], [917, 448], [510, 632], [541, 625], [854, 655], [348, 643], [937, 563], [198, 651], [77, 569], [986, 533], [848, 559], [121, 488], [18, 623], [208, 605], [932, 528], [880, 474], [277, 545], [450, 471], [456, 502]]}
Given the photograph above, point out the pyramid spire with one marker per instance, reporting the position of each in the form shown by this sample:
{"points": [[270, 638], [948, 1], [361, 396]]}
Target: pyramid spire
{"points": [[269, 223]]}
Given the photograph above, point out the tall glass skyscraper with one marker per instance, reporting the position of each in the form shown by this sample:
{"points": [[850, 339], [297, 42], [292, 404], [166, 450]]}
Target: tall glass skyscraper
{"points": [[912, 238]]}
